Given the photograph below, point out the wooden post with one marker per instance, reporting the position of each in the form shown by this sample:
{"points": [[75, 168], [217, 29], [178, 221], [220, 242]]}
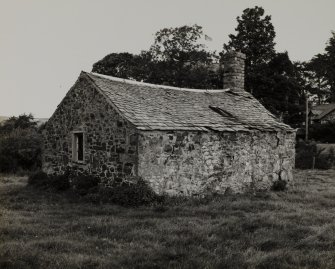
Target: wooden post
{"points": [[306, 124], [313, 164]]}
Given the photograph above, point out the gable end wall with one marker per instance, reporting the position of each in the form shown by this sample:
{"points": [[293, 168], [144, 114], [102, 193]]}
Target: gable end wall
{"points": [[110, 140]]}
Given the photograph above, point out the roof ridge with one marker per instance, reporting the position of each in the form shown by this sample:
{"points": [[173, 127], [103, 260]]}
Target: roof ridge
{"points": [[135, 82]]}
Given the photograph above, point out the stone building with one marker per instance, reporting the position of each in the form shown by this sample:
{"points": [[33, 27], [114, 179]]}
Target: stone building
{"points": [[322, 113], [181, 141]]}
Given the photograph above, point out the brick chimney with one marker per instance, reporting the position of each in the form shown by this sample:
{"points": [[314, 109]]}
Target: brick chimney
{"points": [[233, 70]]}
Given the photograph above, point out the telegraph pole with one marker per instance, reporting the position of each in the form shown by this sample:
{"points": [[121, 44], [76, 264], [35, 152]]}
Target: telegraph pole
{"points": [[306, 124]]}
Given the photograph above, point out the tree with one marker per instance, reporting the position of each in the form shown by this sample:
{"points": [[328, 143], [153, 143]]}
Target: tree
{"points": [[322, 67], [21, 122], [255, 37], [182, 59], [20, 144], [180, 44], [271, 77], [330, 63], [279, 89], [177, 58], [319, 74], [316, 83], [125, 65]]}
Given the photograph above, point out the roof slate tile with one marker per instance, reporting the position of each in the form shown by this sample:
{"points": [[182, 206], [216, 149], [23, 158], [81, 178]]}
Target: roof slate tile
{"points": [[156, 107]]}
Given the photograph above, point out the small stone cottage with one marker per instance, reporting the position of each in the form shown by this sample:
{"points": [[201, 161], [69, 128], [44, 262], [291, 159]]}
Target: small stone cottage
{"points": [[322, 113], [180, 141]]}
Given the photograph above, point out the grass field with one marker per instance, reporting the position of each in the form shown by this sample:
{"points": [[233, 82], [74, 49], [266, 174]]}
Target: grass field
{"points": [[294, 229]]}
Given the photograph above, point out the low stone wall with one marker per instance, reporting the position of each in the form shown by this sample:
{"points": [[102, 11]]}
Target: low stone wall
{"points": [[187, 163]]}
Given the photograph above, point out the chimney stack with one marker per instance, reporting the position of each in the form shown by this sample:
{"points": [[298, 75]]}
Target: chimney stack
{"points": [[233, 71]]}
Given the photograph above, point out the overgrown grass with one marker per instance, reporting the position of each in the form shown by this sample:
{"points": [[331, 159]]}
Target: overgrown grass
{"points": [[291, 229]]}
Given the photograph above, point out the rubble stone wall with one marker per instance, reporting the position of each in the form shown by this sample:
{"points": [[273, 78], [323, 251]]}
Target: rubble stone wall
{"points": [[110, 142], [187, 163], [234, 65]]}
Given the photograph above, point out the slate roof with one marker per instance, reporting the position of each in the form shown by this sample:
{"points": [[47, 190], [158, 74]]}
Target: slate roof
{"points": [[320, 111], [156, 107]]}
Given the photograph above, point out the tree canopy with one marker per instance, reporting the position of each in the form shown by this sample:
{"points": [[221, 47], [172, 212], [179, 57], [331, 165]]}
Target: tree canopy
{"points": [[321, 75], [178, 57], [255, 36], [23, 121], [20, 144], [269, 76]]}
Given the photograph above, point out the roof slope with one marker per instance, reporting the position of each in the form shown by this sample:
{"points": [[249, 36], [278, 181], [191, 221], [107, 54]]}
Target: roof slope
{"points": [[321, 111], [155, 107]]}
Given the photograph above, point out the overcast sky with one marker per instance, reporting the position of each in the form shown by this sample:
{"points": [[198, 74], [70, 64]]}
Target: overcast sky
{"points": [[45, 44]]}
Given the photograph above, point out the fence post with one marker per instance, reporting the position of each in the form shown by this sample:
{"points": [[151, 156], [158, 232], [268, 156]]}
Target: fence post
{"points": [[313, 165]]}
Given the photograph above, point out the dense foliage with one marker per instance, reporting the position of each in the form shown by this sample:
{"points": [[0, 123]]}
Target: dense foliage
{"points": [[134, 192], [255, 37], [270, 76], [178, 57], [41, 180], [20, 144], [309, 156], [324, 133], [320, 73]]}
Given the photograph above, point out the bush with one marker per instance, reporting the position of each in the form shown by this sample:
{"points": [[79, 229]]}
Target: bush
{"points": [[307, 153], [39, 179], [7, 162], [325, 160], [59, 182], [43, 181], [133, 194], [304, 154], [20, 149], [324, 133], [85, 184], [127, 194], [279, 185]]}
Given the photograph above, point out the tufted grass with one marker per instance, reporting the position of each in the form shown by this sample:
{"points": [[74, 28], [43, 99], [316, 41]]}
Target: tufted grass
{"points": [[293, 229]]}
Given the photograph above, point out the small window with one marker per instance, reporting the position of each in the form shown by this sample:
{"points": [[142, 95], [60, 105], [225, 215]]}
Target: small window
{"points": [[78, 147]]}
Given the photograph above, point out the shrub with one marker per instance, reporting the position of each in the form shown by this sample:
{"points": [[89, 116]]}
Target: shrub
{"points": [[59, 182], [134, 192], [85, 184], [39, 179], [7, 162], [44, 181], [130, 194], [325, 160], [20, 149], [307, 153], [304, 154], [279, 185], [324, 133]]}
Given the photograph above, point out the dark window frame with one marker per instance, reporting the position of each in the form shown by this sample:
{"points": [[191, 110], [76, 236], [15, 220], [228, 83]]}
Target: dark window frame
{"points": [[78, 146]]}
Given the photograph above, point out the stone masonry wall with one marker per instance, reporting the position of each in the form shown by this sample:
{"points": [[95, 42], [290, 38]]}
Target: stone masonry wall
{"points": [[233, 71], [110, 142], [187, 163]]}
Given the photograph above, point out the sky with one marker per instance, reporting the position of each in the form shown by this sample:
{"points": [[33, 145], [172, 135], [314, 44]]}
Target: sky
{"points": [[44, 44]]}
